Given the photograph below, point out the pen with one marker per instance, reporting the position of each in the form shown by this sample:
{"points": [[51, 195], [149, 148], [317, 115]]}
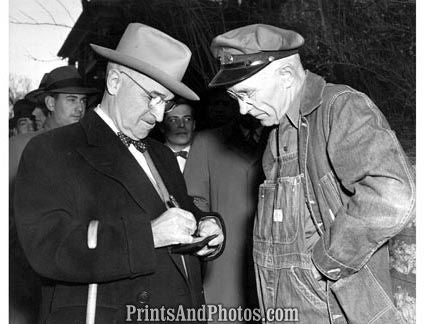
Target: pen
{"points": [[172, 202]]}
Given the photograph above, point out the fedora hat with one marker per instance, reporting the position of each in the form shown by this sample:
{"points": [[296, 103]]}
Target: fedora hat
{"points": [[154, 54], [247, 50], [66, 79], [22, 109]]}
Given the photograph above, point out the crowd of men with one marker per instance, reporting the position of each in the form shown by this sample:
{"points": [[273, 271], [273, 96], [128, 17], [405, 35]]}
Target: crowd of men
{"points": [[288, 205]]}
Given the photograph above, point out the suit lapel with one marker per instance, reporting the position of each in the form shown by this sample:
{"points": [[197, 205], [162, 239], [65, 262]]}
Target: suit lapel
{"points": [[168, 179], [108, 155]]}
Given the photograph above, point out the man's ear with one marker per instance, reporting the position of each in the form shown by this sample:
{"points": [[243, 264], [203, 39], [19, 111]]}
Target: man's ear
{"points": [[286, 73], [50, 103], [113, 81], [194, 125]]}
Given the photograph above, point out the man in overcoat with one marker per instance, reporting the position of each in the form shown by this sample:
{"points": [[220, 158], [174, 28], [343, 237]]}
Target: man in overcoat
{"points": [[110, 204]]}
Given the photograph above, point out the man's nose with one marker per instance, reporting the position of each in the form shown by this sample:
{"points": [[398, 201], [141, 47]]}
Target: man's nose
{"points": [[181, 123], [158, 112], [81, 105], [244, 108]]}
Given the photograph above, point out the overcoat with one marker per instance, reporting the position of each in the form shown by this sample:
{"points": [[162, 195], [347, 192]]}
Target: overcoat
{"points": [[82, 172]]}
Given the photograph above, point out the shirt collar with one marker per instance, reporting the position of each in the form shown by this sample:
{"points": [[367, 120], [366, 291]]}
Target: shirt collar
{"points": [[186, 148], [293, 114], [106, 119]]}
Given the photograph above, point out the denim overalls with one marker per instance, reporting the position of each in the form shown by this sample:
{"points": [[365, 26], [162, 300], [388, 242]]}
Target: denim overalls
{"points": [[282, 263]]}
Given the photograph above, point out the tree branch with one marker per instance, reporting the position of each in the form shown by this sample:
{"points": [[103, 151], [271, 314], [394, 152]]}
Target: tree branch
{"points": [[39, 24], [28, 16], [45, 9], [66, 9]]}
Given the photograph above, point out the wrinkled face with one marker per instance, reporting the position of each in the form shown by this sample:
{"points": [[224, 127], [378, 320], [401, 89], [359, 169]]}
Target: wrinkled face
{"points": [[68, 108], [24, 125], [136, 113], [179, 126], [261, 96], [40, 117]]}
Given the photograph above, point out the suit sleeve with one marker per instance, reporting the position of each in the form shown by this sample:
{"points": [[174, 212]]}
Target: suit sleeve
{"points": [[374, 171], [53, 233]]}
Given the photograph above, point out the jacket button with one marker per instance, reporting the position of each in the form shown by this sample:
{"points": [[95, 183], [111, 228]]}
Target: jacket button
{"points": [[143, 297]]}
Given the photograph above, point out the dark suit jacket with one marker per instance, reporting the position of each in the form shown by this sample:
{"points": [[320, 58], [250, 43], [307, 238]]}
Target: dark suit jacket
{"points": [[82, 172]]}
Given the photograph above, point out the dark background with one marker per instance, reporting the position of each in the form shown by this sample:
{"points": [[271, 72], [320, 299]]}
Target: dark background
{"points": [[367, 44]]}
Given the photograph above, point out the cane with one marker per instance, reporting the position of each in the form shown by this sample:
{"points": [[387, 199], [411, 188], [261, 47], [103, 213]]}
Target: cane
{"points": [[92, 293]]}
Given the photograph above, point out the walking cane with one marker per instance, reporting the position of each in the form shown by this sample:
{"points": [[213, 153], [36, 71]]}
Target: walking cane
{"points": [[92, 293]]}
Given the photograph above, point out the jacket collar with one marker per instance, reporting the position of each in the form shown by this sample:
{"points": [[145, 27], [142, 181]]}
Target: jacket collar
{"points": [[107, 154], [312, 93]]}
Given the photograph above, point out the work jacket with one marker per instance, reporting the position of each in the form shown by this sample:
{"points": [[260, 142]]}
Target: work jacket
{"points": [[359, 189]]}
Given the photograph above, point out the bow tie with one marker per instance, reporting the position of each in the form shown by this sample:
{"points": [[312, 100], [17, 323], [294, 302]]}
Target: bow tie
{"points": [[182, 154], [127, 141]]}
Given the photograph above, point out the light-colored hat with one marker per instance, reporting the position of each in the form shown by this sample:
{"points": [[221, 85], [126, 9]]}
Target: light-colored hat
{"points": [[247, 50], [153, 53]]}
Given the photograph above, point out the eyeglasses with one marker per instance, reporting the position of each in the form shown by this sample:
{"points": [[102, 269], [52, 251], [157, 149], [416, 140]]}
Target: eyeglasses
{"points": [[153, 95], [242, 97]]}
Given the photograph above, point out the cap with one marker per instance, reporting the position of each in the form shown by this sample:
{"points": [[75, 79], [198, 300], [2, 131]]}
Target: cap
{"points": [[247, 50]]}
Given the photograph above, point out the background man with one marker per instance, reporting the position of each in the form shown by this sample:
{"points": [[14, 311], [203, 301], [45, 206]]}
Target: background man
{"points": [[338, 185], [178, 128], [65, 94], [37, 97], [222, 172], [105, 176], [23, 119]]}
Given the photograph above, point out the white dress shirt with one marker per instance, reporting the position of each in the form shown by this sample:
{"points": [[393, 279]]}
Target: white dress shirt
{"points": [[135, 152], [180, 160]]}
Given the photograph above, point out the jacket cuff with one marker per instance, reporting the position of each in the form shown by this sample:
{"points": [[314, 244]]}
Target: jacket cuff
{"points": [[327, 265], [219, 250]]}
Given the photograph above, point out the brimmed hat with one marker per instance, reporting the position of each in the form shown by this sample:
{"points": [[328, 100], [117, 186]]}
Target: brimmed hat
{"points": [[153, 53], [245, 51], [37, 96], [66, 79], [22, 109]]}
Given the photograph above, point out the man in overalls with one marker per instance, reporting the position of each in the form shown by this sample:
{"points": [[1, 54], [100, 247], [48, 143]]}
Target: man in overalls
{"points": [[338, 185]]}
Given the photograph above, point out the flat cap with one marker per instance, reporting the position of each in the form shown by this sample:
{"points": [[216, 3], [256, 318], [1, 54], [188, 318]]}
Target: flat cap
{"points": [[246, 50]]}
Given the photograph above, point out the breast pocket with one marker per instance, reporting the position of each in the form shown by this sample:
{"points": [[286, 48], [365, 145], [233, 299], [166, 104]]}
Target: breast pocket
{"points": [[287, 211]]}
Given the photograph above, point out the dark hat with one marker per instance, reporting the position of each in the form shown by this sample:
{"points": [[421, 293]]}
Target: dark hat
{"points": [[66, 79], [246, 50], [37, 96], [153, 53], [22, 109]]}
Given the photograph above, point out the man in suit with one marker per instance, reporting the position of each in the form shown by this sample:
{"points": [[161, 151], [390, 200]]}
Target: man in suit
{"points": [[63, 93], [111, 203], [178, 128], [222, 171]]}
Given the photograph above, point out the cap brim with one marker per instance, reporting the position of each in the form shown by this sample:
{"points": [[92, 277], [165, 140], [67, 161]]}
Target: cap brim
{"points": [[230, 76], [163, 78]]}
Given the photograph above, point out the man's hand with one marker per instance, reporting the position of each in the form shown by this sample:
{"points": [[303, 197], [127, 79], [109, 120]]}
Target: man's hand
{"points": [[173, 227], [206, 228]]}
